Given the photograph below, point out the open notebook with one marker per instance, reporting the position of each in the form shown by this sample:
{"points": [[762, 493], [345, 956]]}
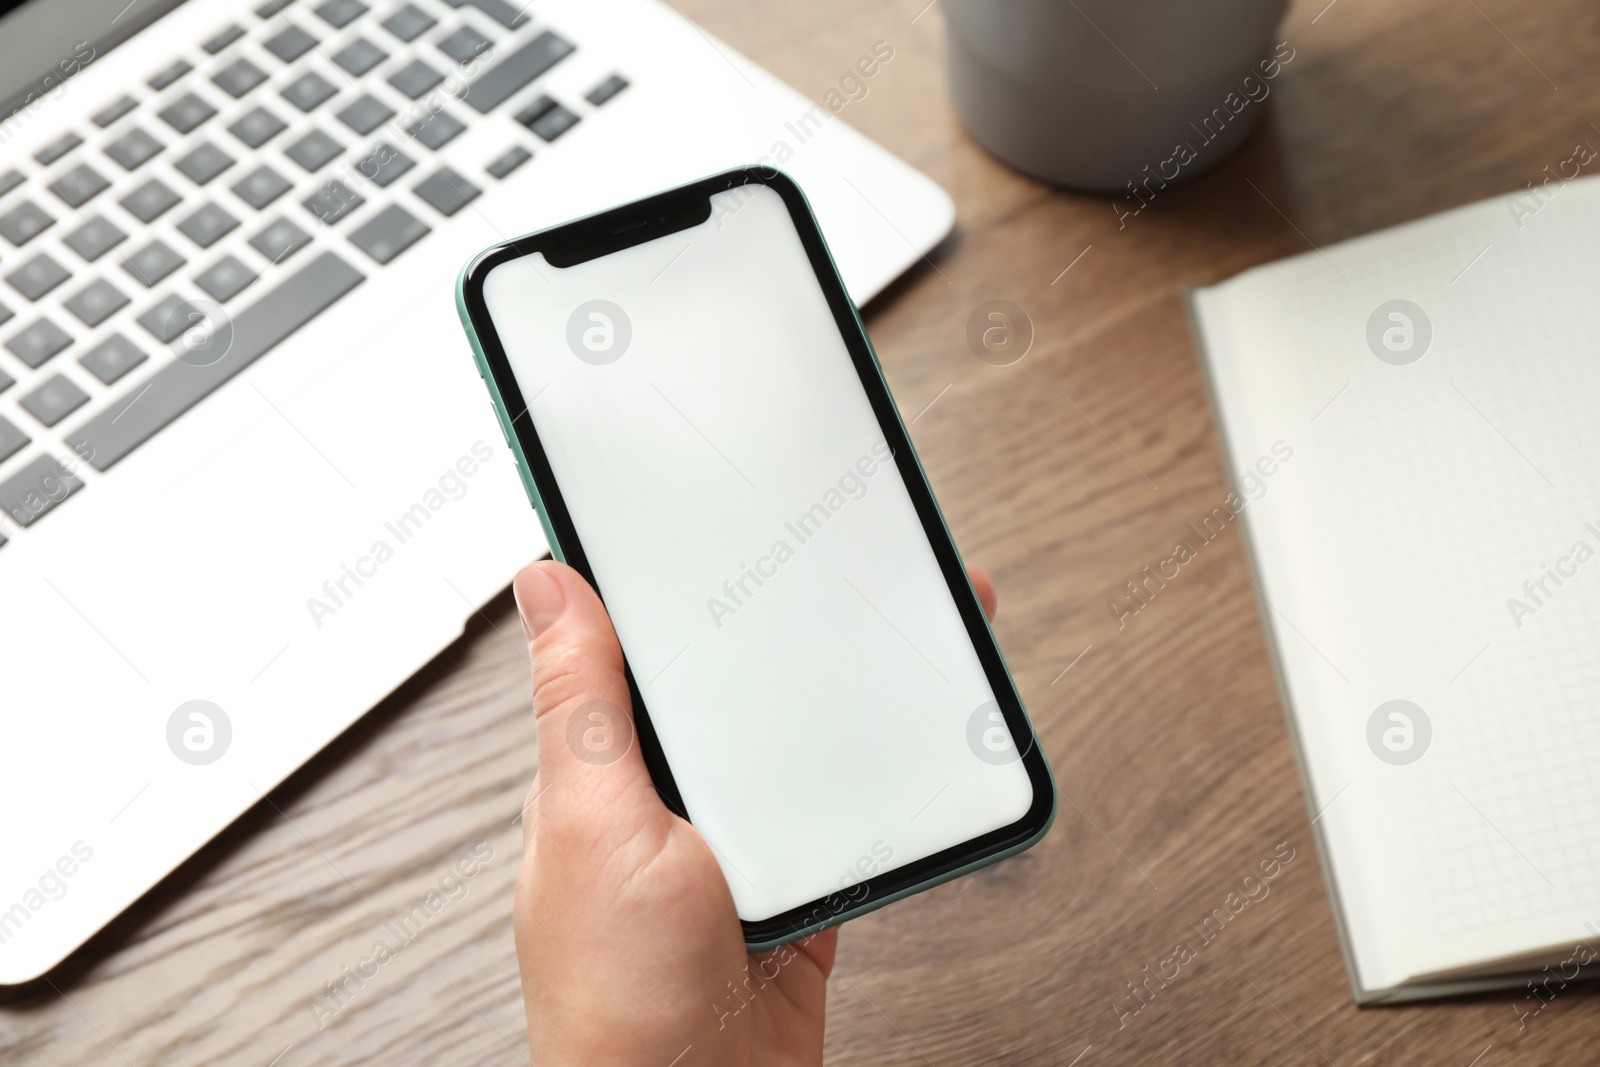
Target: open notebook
{"points": [[1427, 561]]}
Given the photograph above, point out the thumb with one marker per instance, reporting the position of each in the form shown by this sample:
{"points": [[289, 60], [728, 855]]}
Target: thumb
{"points": [[587, 741]]}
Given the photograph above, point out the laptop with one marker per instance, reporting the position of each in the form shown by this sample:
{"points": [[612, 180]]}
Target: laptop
{"points": [[249, 481]]}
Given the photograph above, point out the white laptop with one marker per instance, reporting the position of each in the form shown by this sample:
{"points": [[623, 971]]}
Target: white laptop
{"points": [[250, 480]]}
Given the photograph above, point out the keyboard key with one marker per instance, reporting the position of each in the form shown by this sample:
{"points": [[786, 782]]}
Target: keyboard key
{"points": [[186, 112], [6, 315], [505, 14], [257, 127], [112, 358], [366, 115], [280, 240], [152, 263], [607, 89], [289, 43], [53, 401], [204, 163], [114, 111], [510, 161], [208, 225], [170, 318], [308, 91], [547, 118], [435, 130], [38, 342], [505, 78], [169, 75], [271, 8], [225, 280], [222, 40], [78, 186], [57, 148], [447, 192], [314, 151], [9, 180], [150, 201], [261, 187], [175, 388], [97, 303], [340, 13], [408, 23], [95, 238], [359, 56], [333, 202], [11, 438], [33, 491], [384, 165], [134, 149], [465, 45], [415, 78], [239, 77], [390, 232], [37, 276], [24, 222]]}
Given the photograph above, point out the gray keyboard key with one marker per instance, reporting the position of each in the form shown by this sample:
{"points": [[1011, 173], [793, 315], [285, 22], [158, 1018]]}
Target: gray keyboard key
{"points": [[257, 127], [366, 114], [78, 186], [112, 358], [95, 238], [261, 187], [57, 148], [222, 40], [314, 151], [435, 130], [502, 12], [333, 202], [37, 276], [9, 180], [606, 89], [150, 201], [24, 222], [505, 78], [175, 388], [207, 226], [11, 439], [186, 113], [510, 161], [389, 232], [133, 149], [465, 45], [34, 490], [225, 279], [152, 263], [169, 75], [114, 111], [340, 13], [415, 78], [239, 77], [271, 8], [384, 165], [289, 43], [280, 240], [447, 192], [97, 302], [170, 318], [204, 163], [359, 56], [53, 401], [6, 315], [408, 23], [308, 91], [6, 382], [38, 342], [547, 118]]}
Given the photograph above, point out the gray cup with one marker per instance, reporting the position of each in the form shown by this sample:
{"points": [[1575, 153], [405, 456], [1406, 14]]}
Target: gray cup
{"points": [[1113, 96]]}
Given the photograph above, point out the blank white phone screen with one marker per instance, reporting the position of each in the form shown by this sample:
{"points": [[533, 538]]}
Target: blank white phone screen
{"points": [[813, 687]]}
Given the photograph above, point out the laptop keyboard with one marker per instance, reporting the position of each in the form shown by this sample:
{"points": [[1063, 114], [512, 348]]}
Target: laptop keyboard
{"points": [[118, 302]]}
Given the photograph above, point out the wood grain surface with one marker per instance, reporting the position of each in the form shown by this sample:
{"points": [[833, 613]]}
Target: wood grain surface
{"points": [[1063, 475]]}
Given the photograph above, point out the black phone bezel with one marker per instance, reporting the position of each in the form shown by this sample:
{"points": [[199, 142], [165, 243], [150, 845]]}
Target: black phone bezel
{"points": [[655, 217]]}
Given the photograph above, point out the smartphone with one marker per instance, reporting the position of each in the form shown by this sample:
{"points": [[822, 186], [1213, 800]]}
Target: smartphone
{"points": [[704, 429]]}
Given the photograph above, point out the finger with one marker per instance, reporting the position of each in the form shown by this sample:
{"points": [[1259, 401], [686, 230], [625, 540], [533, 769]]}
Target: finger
{"points": [[985, 590]]}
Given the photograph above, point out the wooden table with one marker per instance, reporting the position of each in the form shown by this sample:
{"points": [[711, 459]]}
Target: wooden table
{"points": [[1063, 475]]}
